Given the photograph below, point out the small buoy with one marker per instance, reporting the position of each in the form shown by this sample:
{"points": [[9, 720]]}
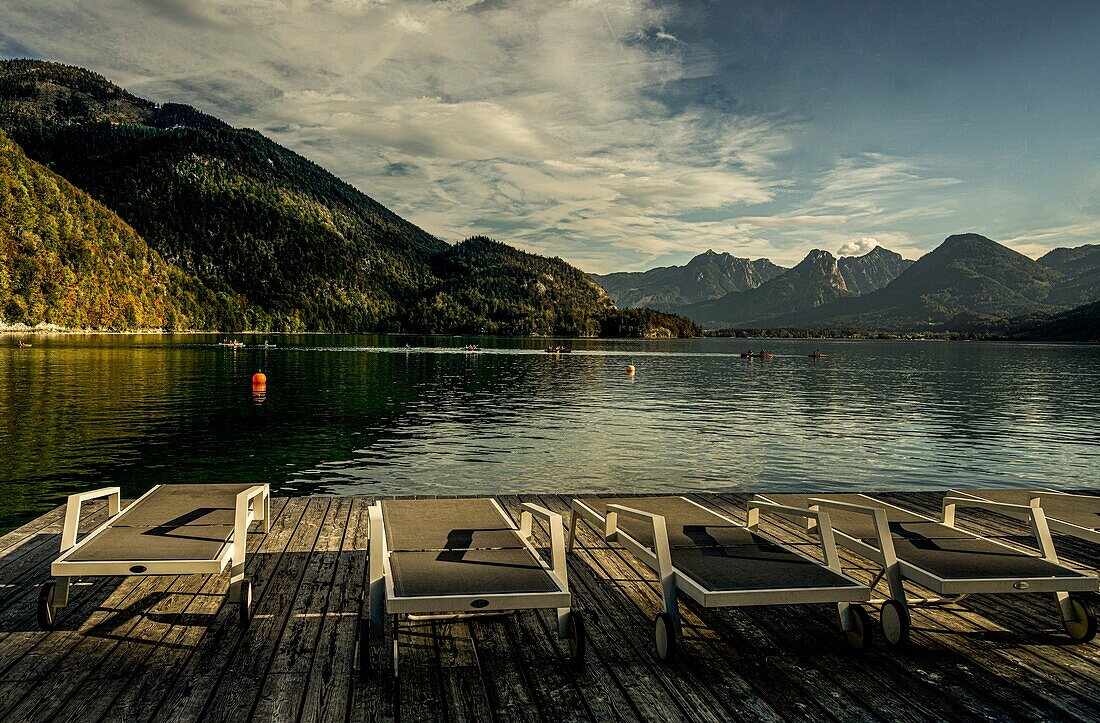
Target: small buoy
{"points": [[630, 369], [259, 378]]}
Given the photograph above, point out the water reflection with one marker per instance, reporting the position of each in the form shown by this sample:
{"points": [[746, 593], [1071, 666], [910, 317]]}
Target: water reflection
{"points": [[362, 413]]}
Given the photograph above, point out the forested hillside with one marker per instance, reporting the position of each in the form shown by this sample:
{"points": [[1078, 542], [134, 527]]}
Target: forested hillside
{"points": [[65, 259], [221, 228], [254, 235], [227, 205], [486, 286]]}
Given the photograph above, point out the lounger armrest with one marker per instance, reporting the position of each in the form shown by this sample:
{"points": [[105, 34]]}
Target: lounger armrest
{"points": [[375, 603], [775, 508], [660, 549], [1036, 518], [72, 511], [529, 509], [557, 537], [611, 522], [878, 518], [246, 511], [660, 532], [845, 506], [821, 517]]}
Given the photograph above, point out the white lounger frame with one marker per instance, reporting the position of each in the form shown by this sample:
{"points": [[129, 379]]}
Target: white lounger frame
{"points": [[953, 589], [659, 560], [231, 553], [383, 598], [1035, 500]]}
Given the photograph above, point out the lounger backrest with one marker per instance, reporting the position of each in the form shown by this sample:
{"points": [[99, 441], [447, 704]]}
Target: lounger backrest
{"points": [[184, 504], [447, 524], [1067, 508], [688, 524], [855, 524]]}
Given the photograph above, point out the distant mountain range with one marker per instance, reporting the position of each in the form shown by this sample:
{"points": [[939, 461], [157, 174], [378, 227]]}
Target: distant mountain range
{"points": [[199, 225], [708, 276], [816, 281], [968, 282]]}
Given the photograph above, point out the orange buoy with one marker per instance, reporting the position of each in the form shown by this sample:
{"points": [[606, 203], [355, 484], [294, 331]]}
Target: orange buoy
{"points": [[630, 369], [259, 378]]}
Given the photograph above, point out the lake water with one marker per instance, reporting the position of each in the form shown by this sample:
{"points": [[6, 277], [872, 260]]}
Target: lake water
{"points": [[360, 414]]}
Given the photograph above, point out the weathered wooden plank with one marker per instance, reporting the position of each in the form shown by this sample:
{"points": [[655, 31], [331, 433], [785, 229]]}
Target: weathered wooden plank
{"points": [[506, 686], [182, 697], [419, 685], [96, 638], [167, 648], [287, 675], [235, 691], [328, 692], [466, 699], [678, 688], [127, 683], [373, 695], [19, 536]]}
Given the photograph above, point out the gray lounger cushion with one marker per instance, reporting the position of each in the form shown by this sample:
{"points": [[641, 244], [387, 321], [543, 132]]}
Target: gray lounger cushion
{"points": [[754, 567], [173, 522], [189, 542], [688, 525], [468, 572], [458, 547], [718, 554], [446, 525], [1074, 510], [205, 504]]}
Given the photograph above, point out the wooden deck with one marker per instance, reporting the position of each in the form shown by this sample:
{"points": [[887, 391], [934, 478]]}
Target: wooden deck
{"points": [[166, 648]]}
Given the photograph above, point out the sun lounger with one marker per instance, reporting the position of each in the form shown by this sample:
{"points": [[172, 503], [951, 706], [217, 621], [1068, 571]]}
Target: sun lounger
{"points": [[170, 530], [443, 557], [1074, 515], [951, 562], [719, 563]]}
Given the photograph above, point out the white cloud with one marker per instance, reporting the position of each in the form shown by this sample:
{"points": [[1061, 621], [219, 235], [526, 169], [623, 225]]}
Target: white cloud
{"points": [[529, 120], [868, 183], [1038, 241], [546, 124], [858, 247]]}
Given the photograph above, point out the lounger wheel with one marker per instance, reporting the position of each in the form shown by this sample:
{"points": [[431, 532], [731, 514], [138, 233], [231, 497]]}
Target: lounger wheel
{"points": [[860, 634], [578, 639], [894, 619], [664, 637], [1083, 628], [45, 605], [245, 605]]}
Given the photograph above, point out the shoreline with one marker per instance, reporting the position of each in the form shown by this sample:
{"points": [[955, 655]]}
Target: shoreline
{"points": [[45, 330]]}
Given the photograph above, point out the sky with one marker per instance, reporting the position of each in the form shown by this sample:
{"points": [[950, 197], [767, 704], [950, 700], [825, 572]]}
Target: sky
{"points": [[627, 134]]}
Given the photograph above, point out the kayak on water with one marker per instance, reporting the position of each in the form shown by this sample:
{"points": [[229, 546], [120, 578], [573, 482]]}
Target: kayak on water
{"points": [[819, 356]]}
